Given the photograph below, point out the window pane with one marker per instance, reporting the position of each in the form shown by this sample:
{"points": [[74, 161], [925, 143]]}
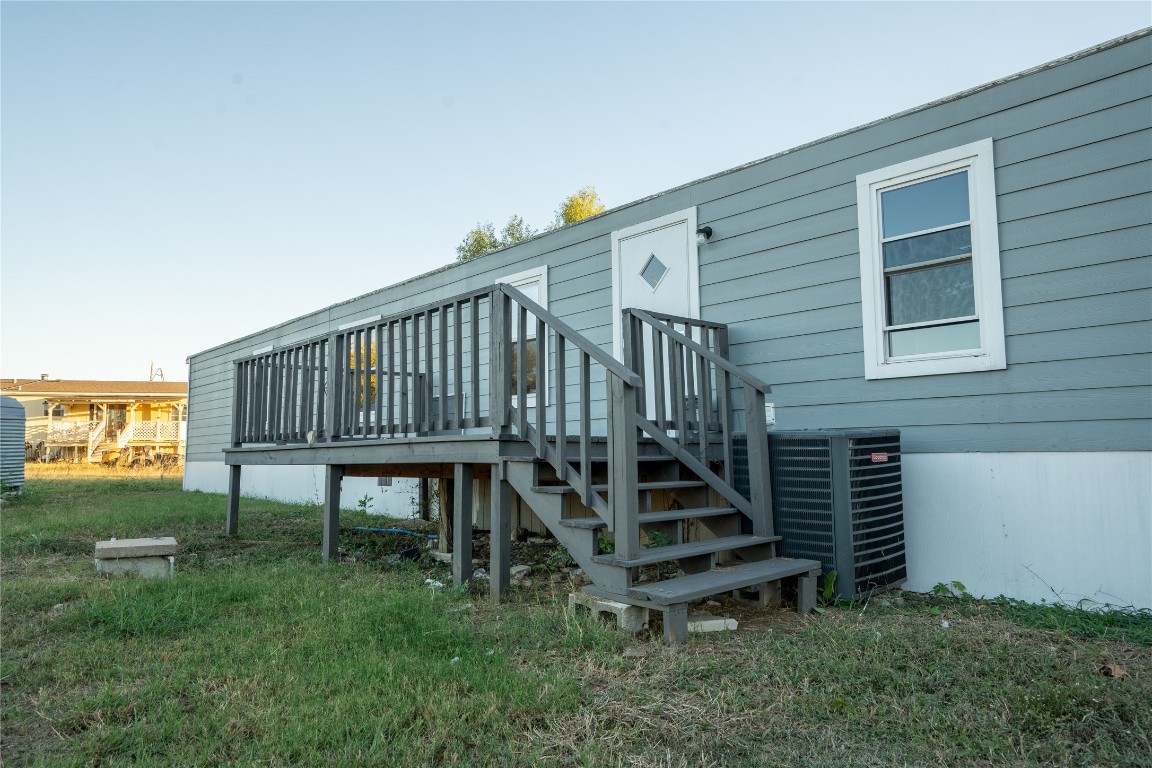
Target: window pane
{"points": [[530, 363], [654, 271], [938, 245], [929, 204], [931, 294], [937, 338]]}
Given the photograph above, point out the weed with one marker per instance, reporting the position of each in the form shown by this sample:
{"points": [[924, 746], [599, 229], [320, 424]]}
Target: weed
{"points": [[559, 557], [827, 595], [658, 539]]}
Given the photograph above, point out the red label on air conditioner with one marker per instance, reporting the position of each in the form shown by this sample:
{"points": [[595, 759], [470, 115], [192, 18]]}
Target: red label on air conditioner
{"points": [[878, 458]]}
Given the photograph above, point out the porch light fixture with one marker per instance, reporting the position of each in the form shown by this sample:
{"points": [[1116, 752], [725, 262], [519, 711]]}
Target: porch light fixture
{"points": [[703, 234]]}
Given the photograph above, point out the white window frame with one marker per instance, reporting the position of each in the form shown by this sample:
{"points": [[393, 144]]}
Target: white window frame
{"points": [[976, 158], [539, 277]]}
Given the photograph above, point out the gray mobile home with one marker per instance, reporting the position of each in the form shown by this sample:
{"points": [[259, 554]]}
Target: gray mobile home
{"points": [[975, 273]]}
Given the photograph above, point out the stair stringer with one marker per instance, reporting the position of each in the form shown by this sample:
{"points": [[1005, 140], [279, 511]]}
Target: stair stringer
{"points": [[581, 544]]}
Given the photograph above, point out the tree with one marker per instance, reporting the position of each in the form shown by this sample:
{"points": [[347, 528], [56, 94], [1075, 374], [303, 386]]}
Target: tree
{"points": [[480, 240], [578, 206], [483, 239]]}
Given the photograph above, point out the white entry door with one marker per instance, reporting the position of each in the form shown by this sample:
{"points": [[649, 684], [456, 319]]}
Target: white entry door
{"points": [[655, 266]]}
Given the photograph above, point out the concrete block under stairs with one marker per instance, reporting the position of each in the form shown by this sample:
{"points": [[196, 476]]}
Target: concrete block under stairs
{"points": [[630, 618]]}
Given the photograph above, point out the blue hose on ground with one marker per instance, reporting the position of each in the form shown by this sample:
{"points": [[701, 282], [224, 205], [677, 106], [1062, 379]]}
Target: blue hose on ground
{"points": [[432, 536]]}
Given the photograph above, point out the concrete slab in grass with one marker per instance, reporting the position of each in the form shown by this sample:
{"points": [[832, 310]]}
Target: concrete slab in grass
{"points": [[156, 546]]}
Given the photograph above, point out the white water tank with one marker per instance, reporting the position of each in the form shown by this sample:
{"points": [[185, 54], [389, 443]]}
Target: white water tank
{"points": [[11, 443]]}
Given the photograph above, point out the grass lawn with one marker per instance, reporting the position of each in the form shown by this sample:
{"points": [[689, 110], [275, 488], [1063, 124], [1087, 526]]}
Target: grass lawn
{"points": [[257, 654]]}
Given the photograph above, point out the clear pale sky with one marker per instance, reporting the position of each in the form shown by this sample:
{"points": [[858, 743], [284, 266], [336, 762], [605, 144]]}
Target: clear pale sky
{"points": [[175, 175]]}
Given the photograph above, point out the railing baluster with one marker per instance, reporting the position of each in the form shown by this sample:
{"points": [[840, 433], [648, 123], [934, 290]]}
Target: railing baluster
{"points": [[705, 403], [458, 363], [499, 364], [391, 378], [305, 424], [378, 380], [522, 371], [426, 417], [691, 402], [237, 404], [561, 408], [476, 357], [403, 375], [363, 376], [442, 415], [352, 363], [724, 405], [289, 408], [675, 353], [541, 389], [659, 387], [335, 392], [262, 394], [586, 431]]}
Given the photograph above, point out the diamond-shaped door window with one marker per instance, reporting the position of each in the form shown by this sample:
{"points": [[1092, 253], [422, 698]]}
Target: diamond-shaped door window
{"points": [[654, 271]]}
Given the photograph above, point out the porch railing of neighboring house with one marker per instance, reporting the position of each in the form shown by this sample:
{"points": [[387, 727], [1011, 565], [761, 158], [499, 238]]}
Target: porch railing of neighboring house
{"points": [[72, 432], [153, 432], [469, 363]]}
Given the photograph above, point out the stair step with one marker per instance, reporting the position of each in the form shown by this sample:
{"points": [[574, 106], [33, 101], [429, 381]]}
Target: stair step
{"points": [[653, 517], [663, 485], [719, 580], [677, 551], [659, 485]]}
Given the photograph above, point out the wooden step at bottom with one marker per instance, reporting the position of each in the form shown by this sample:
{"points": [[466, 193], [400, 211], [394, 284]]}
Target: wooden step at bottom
{"points": [[720, 580], [678, 551], [653, 517]]}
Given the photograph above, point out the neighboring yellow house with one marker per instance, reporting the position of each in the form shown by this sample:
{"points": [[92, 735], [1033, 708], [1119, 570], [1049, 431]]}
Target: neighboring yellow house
{"points": [[92, 421]]}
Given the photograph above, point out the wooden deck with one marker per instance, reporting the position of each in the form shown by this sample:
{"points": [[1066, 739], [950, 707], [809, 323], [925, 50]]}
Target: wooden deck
{"points": [[603, 455]]}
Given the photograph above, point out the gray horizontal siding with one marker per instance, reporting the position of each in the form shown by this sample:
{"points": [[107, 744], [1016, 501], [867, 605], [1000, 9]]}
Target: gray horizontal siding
{"points": [[1073, 153]]}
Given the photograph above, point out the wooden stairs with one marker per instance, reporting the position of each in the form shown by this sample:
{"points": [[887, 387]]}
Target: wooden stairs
{"points": [[695, 543]]}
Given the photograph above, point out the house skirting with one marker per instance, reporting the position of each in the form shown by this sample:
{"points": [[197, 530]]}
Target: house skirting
{"points": [[305, 485], [1033, 526]]}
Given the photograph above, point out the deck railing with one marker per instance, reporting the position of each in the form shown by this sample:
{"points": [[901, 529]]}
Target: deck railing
{"points": [[698, 400], [408, 375], [494, 359]]}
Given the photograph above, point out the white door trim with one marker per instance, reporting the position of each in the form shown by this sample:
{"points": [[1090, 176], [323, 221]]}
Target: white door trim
{"points": [[688, 216]]}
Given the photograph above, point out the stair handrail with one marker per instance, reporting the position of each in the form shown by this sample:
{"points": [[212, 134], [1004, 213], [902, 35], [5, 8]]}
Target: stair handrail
{"points": [[620, 513], [96, 435], [757, 505], [613, 365], [700, 349], [125, 435]]}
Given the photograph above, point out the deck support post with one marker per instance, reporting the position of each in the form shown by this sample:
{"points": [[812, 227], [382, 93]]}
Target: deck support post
{"points": [[499, 543], [623, 495], [676, 624], [232, 526], [462, 529], [333, 474], [759, 472]]}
